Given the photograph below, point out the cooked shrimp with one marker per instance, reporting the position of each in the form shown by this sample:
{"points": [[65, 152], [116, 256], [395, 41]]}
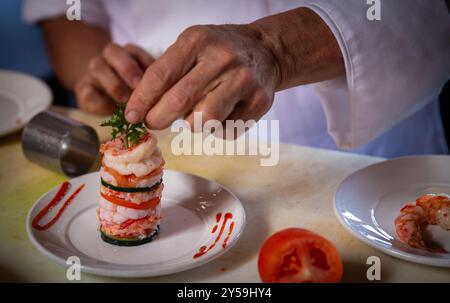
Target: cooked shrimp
{"points": [[437, 208], [126, 222], [139, 160], [115, 214], [409, 225], [115, 178], [428, 209]]}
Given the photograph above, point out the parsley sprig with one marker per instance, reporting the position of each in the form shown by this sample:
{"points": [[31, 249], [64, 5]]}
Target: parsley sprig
{"points": [[120, 126]]}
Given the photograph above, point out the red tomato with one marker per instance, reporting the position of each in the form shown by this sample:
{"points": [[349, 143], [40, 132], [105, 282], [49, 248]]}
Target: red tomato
{"points": [[299, 255]]}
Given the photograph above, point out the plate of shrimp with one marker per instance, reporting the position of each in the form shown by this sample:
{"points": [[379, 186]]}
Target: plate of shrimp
{"points": [[400, 207], [124, 221], [199, 221]]}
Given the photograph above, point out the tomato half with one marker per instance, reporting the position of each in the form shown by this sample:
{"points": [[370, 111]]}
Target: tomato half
{"points": [[299, 255]]}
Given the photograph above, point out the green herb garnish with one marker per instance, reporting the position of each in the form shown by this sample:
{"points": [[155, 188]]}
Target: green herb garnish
{"points": [[131, 132]]}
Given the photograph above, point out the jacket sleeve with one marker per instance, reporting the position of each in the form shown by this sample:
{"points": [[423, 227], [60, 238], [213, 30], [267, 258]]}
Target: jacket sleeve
{"points": [[394, 66]]}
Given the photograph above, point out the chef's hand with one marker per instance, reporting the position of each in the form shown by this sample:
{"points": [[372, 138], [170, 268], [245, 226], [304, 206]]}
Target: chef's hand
{"points": [[110, 78], [221, 71], [232, 71]]}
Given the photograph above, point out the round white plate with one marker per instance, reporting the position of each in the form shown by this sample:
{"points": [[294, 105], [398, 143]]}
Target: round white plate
{"points": [[190, 205], [368, 201], [22, 96]]}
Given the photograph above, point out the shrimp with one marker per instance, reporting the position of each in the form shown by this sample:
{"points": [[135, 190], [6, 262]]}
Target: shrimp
{"points": [[428, 209], [437, 208], [140, 165], [115, 178], [139, 160], [127, 223], [409, 225], [116, 214]]}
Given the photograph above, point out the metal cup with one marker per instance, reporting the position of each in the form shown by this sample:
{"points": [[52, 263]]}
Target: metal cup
{"points": [[61, 144]]}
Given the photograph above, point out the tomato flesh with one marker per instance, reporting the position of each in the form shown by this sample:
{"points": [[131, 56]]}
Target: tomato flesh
{"points": [[299, 255]]}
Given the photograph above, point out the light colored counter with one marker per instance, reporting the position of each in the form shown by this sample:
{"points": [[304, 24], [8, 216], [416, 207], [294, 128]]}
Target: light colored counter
{"points": [[298, 192]]}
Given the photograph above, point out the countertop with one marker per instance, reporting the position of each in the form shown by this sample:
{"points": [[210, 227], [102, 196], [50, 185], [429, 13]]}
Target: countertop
{"points": [[298, 192]]}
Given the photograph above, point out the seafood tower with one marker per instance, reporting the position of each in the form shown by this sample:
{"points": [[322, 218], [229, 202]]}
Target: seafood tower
{"points": [[129, 210]]}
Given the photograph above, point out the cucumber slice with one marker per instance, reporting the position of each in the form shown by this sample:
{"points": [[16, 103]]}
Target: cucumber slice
{"points": [[127, 242], [130, 189]]}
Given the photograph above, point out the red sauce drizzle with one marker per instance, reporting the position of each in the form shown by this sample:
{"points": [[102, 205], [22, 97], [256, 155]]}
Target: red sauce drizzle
{"points": [[218, 217], [56, 199], [203, 250], [230, 231], [214, 228]]}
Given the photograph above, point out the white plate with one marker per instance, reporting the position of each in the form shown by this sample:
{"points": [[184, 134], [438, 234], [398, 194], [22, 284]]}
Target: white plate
{"points": [[368, 201], [21, 97], [189, 208]]}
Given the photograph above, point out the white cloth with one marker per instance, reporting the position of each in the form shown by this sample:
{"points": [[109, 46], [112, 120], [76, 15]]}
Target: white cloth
{"points": [[386, 105]]}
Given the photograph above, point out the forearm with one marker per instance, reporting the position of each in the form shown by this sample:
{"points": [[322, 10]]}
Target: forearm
{"points": [[70, 46], [303, 47]]}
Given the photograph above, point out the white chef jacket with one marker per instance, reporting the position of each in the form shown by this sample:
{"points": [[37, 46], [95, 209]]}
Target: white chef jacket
{"points": [[386, 104]]}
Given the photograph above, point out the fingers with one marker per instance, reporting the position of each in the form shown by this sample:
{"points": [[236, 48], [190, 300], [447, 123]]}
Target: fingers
{"points": [[253, 108], [142, 57], [123, 63], [111, 76], [219, 103], [160, 76], [105, 76], [93, 100], [202, 58], [182, 97]]}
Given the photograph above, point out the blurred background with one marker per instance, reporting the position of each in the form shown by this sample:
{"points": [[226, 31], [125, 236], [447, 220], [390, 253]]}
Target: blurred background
{"points": [[23, 50]]}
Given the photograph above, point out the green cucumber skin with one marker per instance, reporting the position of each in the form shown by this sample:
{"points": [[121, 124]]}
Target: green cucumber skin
{"points": [[130, 242], [130, 189]]}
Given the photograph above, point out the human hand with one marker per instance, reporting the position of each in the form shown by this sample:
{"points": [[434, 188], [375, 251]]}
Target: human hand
{"points": [[110, 78], [223, 71]]}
